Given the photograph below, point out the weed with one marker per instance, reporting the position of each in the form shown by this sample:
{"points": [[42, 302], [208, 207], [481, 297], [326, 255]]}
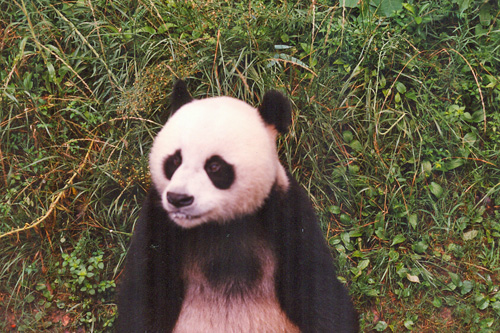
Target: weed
{"points": [[395, 137]]}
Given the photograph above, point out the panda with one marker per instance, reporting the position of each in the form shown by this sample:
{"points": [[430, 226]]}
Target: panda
{"points": [[226, 240]]}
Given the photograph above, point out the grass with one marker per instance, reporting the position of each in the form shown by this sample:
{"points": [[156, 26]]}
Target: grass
{"points": [[395, 135]]}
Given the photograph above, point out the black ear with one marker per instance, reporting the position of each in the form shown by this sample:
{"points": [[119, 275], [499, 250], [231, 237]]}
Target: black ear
{"points": [[276, 110], [180, 95]]}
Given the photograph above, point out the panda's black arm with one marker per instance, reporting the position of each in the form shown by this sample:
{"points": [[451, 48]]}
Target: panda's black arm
{"points": [[151, 291], [306, 281]]}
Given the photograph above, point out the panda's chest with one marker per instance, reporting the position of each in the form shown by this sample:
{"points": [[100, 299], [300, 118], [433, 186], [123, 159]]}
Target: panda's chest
{"points": [[231, 289]]}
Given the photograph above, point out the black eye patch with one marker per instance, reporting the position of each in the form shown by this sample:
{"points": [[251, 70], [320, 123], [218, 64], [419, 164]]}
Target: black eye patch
{"points": [[172, 163], [220, 172]]}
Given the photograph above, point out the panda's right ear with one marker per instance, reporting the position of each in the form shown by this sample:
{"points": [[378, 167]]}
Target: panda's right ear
{"points": [[180, 96]]}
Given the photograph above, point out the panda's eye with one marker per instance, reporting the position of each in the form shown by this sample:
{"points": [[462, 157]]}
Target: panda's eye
{"points": [[172, 163], [176, 160], [221, 173], [213, 167]]}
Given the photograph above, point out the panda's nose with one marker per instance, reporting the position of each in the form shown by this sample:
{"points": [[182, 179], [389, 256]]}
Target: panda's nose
{"points": [[179, 200]]}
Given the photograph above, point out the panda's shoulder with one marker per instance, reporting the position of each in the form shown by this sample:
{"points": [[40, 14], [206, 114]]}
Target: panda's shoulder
{"points": [[296, 196]]}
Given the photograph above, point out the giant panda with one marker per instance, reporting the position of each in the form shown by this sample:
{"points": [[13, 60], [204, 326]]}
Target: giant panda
{"points": [[226, 240]]}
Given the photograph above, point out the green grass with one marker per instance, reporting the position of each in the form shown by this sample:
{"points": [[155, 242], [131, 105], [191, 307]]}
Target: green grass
{"points": [[396, 136]]}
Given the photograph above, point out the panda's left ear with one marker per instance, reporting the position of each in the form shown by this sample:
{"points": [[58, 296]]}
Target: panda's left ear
{"points": [[276, 110], [180, 95]]}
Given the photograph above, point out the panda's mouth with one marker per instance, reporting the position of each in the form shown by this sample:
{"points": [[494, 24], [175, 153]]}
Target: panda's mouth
{"points": [[186, 220], [183, 216]]}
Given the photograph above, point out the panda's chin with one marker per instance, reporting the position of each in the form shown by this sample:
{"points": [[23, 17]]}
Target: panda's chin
{"points": [[185, 220]]}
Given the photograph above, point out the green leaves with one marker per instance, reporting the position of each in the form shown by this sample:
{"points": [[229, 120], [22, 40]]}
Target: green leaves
{"points": [[381, 326], [413, 220], [463, 5], [380, 7], [334, 209], [349, 3], [387, 7], [358, 270], [437, 302], [348, 136], [470, 235], [420, 247], [436, 189], [83, 276], [398, 239], [470, 138]]}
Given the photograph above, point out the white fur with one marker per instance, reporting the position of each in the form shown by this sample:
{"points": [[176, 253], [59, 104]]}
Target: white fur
{"points": [[233, 130]]}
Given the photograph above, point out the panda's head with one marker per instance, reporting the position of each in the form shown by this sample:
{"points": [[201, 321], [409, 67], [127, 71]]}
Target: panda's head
{"points": [[216, 158]]}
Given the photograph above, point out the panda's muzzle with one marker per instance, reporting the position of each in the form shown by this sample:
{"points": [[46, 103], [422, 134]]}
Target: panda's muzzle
{"points": [[179, 200]]}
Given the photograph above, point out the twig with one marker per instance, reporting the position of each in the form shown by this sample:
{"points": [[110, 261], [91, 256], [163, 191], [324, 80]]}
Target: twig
{"points": [[3, 168], [214, 67], [52, 206]]}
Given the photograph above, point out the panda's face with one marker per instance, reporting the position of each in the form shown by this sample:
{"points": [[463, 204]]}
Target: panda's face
{"points": [[214, 160]]}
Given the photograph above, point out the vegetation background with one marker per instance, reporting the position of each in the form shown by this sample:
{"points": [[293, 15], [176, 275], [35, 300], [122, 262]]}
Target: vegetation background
{"points": [[396, 136]]}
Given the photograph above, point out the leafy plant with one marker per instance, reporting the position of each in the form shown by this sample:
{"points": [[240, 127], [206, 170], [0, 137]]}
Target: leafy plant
{"points": [[395, 136]]}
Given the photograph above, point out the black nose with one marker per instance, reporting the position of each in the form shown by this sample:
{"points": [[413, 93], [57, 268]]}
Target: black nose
{"points": [[179, 200]]}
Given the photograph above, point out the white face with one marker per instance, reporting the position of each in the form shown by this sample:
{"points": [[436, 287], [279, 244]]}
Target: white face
{"points": [[214, 160]]}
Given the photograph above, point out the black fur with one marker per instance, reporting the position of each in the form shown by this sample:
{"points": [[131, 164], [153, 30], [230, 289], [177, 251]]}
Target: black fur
{"points": [[151, 292], [276, 110], [306, 280], [227, 254], [180, 96], [171, 164]]}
